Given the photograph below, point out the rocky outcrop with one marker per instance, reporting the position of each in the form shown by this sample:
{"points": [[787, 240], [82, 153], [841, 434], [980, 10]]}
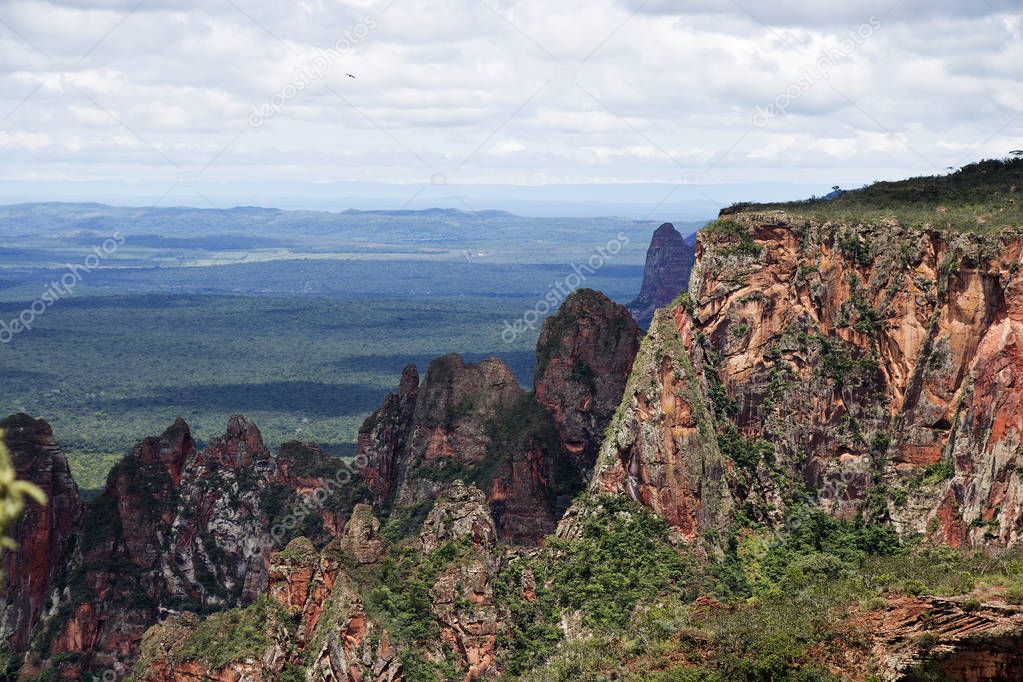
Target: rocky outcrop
{"points": [[669, 261], [348, 644], [661, 449], [954, 639], [531, 453], [457, 407], [464, 421], [584, 357], [426, 433], [384, 437], [462, 513], [872, 365], [315, 613], [180, 529], [44, 533], [463, 600]]}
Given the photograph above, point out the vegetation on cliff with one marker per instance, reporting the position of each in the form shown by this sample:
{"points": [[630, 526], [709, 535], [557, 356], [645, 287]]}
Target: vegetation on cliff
{"points": [[621, 558], [797, 611], [979, 197], [819, 435]]}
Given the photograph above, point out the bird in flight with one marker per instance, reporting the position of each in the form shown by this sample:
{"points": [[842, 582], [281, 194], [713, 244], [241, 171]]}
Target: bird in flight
{"points": [[350, 75]]}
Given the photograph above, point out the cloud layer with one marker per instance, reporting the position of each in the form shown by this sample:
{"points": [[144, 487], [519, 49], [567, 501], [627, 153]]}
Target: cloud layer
{"points": [[505, 91]]}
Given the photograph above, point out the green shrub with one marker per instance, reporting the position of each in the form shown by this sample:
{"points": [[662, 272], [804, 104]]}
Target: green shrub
{"points": [[733, 238], [621, 559], [938, 472], [231, 635]]}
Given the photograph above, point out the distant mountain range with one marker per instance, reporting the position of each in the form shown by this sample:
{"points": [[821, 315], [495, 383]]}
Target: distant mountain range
{"points": [[399, 226], [656, 202], [42, 232]]}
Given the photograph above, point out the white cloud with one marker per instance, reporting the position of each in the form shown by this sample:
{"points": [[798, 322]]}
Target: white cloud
{"points": [[505, 147], [23, 140], [578, 91]]}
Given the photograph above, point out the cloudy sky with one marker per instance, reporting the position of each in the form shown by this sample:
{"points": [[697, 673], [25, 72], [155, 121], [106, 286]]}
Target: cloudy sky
{"points": [[524, 92]]}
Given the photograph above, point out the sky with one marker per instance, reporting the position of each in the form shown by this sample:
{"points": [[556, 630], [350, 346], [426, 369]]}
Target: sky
{"points": [[690, 94]]}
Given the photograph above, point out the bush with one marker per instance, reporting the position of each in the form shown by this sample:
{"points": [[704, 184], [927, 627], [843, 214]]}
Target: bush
{"points": [[733, 238], [622, 558]]}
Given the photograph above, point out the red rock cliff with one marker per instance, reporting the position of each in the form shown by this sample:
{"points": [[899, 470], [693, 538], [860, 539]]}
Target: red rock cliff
{"points": [[44, 533], [875, 365], [584, 356], [178, 528], [530, 452], [669, 261]]}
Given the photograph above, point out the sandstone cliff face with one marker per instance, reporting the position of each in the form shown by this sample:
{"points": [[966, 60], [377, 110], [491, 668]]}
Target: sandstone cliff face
{"points": [[669, 261], [464, 420], [872, 366], [456, 408], [951, 638], [463, 601], [313, 618], [584, 356], [177, 529], [661, 448], [869, 355], [385, 436], [530, 452], [44, 533]]}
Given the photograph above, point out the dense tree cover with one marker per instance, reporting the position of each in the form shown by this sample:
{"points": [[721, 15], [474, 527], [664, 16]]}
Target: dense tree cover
{"points": [[784, 597], [621, 559], [106, 372], [306, 348]]}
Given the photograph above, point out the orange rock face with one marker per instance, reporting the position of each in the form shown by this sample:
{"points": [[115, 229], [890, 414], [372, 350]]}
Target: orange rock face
{"points": [[661, 448], [976, 644], [319, 622], [585, 353], [868, 357], [44, 533]]}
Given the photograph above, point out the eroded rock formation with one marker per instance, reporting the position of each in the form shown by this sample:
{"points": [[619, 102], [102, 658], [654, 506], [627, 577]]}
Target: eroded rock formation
{"points": [[669, 261], [176, 528], [315, 618], [874, 366], [584, 356], [661, 448], [935, 638], [530, 452], [44, 533]]}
